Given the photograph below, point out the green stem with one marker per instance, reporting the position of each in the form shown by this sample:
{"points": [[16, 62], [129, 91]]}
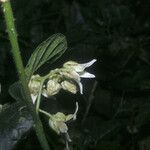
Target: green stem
{"points": [[39, 97], [45, 113], [8, 14]]}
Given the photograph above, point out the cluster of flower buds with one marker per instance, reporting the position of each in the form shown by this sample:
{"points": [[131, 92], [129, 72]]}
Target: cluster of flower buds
{"points": [[67, 78]]}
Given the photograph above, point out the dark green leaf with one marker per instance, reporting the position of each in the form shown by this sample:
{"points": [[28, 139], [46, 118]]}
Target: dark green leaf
{"points": [[49, 50], [15, 90]]}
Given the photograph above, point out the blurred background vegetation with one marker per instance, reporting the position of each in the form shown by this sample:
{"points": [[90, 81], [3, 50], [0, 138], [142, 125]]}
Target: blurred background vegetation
{"points": [[114, 111]]}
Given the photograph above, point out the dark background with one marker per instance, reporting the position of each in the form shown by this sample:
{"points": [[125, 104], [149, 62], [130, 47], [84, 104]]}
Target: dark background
{"points": [[117, 34]]}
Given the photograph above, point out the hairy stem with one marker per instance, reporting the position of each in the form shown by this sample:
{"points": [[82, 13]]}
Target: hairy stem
{"points": [[8, 14]]}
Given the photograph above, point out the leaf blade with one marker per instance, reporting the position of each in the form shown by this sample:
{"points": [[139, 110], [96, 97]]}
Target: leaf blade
{"points": [[49, 50]]}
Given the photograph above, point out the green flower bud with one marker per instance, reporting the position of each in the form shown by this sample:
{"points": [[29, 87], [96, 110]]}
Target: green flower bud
{"points": [[78, 67], [71, 64], [57, 123], [58, 126], [70, 75], [69, 86], [59, 116], [53, 87], [34, 84]]}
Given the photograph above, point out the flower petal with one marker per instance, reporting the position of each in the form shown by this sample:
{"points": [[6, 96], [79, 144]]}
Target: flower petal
{"points": [[69, 86], [88, 64], [34, 97], [70, 75], [62, 127], [80, 87], [87, 75], [75, 113], [44, 93]]}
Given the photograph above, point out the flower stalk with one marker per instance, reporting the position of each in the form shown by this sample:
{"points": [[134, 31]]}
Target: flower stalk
{"points": [[9, 19], [39, 97]]}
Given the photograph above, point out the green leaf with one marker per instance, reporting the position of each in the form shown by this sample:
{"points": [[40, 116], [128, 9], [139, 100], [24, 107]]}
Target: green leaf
{"points": [[49, 50], [16, 91]]}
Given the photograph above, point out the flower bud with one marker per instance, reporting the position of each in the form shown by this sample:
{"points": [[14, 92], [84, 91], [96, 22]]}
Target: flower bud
{"points": [[78, 67], [58, 126], [69, 86], [72, 65], [70, 75], [34, 84], [59, 116], [53, 87], [58, 121]]}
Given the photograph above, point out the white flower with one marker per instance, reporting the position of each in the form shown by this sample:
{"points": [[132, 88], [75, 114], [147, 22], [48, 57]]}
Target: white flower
{"points": [[58, 121], [76, 71], [78, 67]]}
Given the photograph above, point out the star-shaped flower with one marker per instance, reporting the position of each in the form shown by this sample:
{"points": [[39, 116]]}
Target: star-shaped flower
{"points": [[58, 121], [77, 71]]}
